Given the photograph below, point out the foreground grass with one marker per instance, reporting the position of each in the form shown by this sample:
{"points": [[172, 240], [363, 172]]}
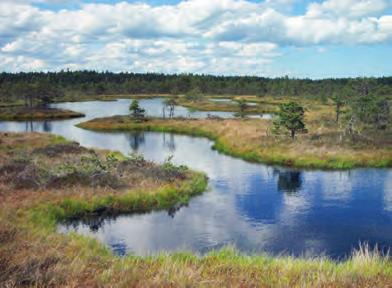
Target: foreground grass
{"points": [[37, 113], [49, 259], [33, 254], [249, 140]]}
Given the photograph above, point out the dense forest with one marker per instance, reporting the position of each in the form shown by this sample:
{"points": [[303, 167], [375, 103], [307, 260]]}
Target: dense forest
{"points": [[74, 84]]}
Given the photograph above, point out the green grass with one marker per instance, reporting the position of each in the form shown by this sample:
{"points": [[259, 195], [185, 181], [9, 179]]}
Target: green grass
{"points": [[49, 214]]}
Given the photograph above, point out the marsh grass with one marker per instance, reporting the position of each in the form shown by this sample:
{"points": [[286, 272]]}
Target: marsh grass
{"points": [[250, 140], [207, 105], [38, 113], [265, 104], [73, 261], [33, 254]]}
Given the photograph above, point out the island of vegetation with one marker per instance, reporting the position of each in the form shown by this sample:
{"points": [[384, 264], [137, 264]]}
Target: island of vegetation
{"points": [[45, 179], [310, 137], [36, 113]]}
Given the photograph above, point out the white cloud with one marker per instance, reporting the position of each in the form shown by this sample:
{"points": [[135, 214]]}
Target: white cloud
{"points": [[22, 63], [192, 36], [348, 8]]}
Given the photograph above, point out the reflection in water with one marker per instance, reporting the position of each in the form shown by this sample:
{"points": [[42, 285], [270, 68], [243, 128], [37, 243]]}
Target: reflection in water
{"points": [[95, 222], [168, 141], [30, 126], [338, 186], [388, 192], [135, 140], [47, 126], [319, 211], [288, 181]]}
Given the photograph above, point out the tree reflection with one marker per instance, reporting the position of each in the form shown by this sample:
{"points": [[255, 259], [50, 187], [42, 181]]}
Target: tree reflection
{"points": [[47, 126], [93, 222], [169, 142], [29, 126], [136, 139], [119, 248], [289, 181]]}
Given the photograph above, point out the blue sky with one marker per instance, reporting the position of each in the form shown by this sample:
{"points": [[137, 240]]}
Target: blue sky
{"points": [[312, 38]]}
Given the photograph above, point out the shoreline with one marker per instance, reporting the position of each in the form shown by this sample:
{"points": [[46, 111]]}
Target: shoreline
{"points": [[272, 153], [37, 113]]}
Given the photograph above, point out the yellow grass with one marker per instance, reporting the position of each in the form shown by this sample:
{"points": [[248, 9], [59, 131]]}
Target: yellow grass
{"points": [[251, 140], [21, 113]]}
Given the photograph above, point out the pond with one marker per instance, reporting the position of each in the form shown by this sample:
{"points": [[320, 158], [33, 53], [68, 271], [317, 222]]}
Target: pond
{"points": [[256, 208]]}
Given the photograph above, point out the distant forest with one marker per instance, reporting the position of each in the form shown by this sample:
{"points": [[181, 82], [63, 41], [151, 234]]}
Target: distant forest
{"points": [[81, 84]]}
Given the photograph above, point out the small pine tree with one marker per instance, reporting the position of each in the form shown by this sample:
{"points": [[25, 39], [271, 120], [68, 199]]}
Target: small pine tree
{"points": [[339, 103], [242, 106], [136, 111], [170, 103], [291, 117]]}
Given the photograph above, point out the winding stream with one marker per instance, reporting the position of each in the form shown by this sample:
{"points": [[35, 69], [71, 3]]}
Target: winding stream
{"points": [[256, 208]]}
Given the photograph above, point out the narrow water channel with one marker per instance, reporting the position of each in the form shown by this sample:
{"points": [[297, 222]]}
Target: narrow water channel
{"points": [[256, 208]]}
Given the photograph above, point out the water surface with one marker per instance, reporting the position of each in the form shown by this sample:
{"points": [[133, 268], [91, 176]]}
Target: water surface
{"points": [[256, 208]]}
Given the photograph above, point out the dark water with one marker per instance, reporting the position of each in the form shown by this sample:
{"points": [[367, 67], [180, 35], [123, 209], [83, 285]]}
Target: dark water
{"points": [[256, 208]]}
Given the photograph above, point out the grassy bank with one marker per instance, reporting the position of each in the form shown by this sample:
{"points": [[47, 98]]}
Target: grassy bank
{"points": [[208, 105], [256, 105], [33, 254], [249, 140], [37, 113]]}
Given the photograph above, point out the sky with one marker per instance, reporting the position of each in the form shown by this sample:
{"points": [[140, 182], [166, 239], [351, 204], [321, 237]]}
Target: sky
{"points": [[270, 38]]}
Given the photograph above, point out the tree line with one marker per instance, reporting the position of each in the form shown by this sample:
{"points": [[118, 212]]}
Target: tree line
{"points": [[79, 84]]}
